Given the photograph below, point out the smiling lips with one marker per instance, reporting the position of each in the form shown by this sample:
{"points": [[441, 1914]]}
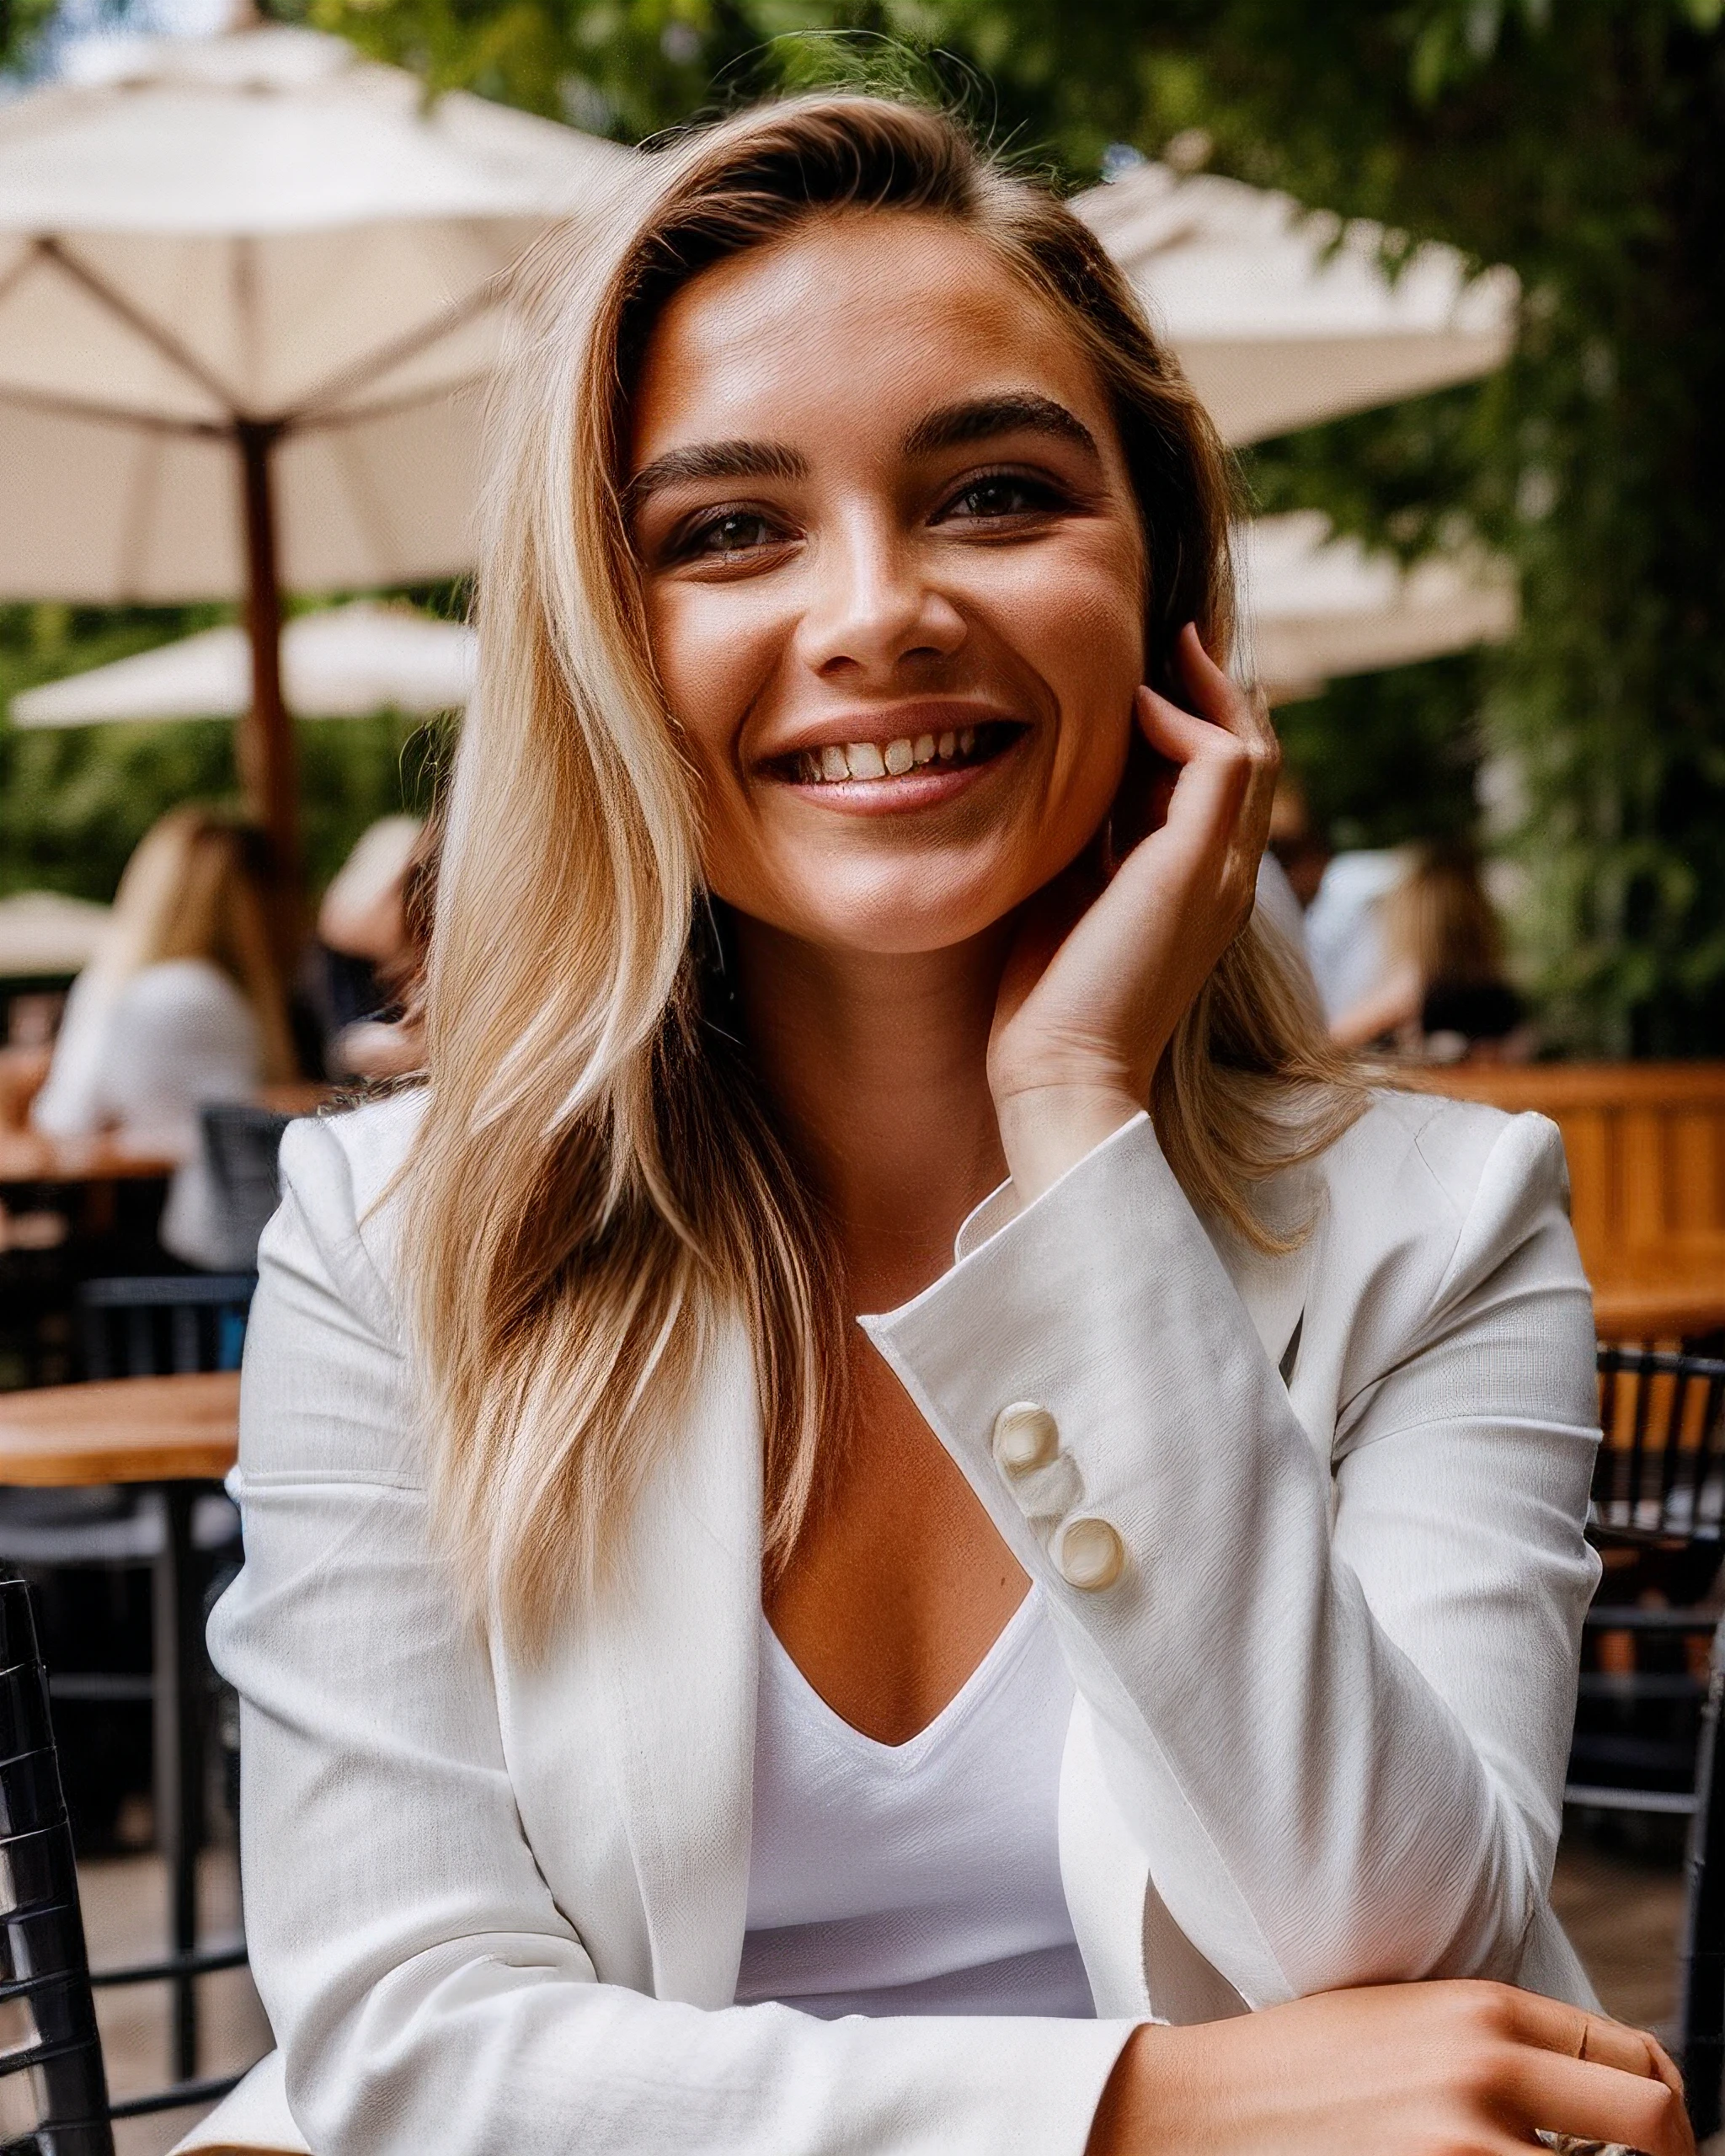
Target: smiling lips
{"points": [[873, 762]]}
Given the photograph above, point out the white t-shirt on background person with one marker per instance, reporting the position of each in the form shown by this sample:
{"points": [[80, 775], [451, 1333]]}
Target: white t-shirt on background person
{"points": [[140, 1057], [1344, 929]]}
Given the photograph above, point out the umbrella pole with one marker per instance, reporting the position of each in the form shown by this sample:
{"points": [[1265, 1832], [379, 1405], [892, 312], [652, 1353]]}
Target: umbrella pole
{"points": [[268, 766]]}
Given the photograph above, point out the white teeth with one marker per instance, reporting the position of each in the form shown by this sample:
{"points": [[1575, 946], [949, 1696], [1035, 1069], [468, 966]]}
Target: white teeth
{"points": [[871, 759], [864, 760]]}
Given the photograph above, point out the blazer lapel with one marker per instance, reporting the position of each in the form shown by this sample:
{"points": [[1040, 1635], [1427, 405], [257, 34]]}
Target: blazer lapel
{"points": [[679, 1679], [630, 1742]]}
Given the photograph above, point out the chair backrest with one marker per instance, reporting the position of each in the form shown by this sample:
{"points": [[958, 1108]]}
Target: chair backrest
{"points": [[241, 1147], [53, 2090], [1701, 1949], [1660, 1473], [1645, 1146], [163, 1325]]}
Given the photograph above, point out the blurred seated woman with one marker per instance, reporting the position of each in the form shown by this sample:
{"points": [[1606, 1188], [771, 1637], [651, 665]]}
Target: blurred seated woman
{"points": [[1117, 1700], [373, 925], [1444, 996], [367, 951], [182, 1008]]}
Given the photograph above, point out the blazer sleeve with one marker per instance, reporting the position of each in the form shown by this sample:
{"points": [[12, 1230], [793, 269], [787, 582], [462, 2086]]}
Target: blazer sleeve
{"points": [[1332, 1684], [427, 1990]]}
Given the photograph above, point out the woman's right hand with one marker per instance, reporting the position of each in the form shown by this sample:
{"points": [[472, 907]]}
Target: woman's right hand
{"points": [[1464, 2069]]}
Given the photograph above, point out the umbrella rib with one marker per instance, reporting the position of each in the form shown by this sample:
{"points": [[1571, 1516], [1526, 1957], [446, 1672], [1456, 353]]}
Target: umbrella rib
{"points": [[114, 415], [299, 423], [317, 409], [141, 324], [19, 270]]}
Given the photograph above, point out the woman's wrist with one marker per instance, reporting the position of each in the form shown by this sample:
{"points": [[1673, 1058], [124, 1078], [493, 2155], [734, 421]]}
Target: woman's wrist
{"points": [[1048, 1127], [1147, 2104]]}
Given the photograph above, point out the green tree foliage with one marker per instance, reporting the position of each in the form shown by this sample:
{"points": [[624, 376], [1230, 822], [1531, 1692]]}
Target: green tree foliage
{"points": [[1579, 140]]}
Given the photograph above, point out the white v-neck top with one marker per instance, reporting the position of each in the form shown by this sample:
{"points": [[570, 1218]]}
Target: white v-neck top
{"points": [[917, 1878]]}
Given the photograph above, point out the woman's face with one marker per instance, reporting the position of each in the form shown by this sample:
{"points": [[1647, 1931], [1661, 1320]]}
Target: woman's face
{"points": [[894, 580]]}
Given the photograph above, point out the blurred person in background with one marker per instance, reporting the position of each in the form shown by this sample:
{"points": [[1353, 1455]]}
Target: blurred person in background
{"points": [[370, 951], [1296, 845], [1341, 896], [182, 1007], [1345, 928], [1442, 996]]}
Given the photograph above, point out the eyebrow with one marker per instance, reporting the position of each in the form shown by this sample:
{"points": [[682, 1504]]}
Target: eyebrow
{"points": [[713, 459], [1018, 411], [952, 427]]}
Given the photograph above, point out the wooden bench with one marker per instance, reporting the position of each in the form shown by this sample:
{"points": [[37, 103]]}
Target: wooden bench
{"points": [[1646, 1143]]}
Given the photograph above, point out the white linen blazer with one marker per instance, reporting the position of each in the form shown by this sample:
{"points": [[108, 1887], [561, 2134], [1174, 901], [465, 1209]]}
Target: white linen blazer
{"points": [[496, 1905]]}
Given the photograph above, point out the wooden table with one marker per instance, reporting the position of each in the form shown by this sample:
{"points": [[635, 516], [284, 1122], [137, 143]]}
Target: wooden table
{"points": [[76, 1179], [28, 1156], [157, 1430], [180, 1436]]}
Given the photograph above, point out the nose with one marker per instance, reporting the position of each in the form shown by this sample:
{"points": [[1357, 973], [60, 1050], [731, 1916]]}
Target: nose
{"points": [[873, 607]]}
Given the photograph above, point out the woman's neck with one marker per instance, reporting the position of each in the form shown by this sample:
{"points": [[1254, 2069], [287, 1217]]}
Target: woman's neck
{"points": [[878, 1065]]}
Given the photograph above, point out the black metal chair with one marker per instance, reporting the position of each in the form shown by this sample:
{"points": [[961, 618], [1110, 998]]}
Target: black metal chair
{"points": [[54, 2098], [1658, 1519], [148, 1326], [240, 1146], [1650, 1734], [1700, 2003]]}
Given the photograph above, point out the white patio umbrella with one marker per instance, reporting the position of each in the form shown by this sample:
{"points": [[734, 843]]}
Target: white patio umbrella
{"points": [[248, 285], [42, 932], [1314, 606], [346, 662], [1283, 317]]}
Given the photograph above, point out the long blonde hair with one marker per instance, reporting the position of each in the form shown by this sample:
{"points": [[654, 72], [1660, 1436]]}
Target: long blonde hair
{"points": [[595, 1186], [193, 889]]}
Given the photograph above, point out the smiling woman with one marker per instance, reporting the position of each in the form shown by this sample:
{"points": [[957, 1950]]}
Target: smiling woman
{"points": [[1116, 1700]]}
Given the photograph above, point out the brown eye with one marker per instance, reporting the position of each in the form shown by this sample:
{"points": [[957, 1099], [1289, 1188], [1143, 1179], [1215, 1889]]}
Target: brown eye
{"points": [[999, 494], [738, 531]]}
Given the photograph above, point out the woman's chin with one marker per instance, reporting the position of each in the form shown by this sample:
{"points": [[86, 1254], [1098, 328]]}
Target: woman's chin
{"points": [[908, 921]]}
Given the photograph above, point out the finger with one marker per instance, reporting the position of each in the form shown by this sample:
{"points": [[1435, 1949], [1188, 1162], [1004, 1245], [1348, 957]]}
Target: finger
{"points": [[1185, 738], [1665, 2066], [1601, 2102], [1235, 775], [1213, 781], [1609, 2043], [1214, 698], [1179, 734], [1557, 2027], [1217, 694]]}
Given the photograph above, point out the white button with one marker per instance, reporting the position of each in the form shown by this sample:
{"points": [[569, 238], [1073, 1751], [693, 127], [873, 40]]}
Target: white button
{"points": [[1026, 1437], [1093, 1556]]}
